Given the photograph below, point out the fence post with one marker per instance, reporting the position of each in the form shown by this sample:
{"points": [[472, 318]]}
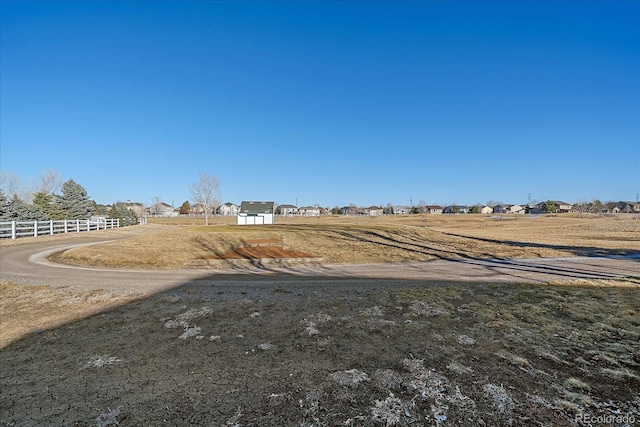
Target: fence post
{"points": [[88, 225], [13, 230], [51, 226], [35, 228], [78, 225], [66, 228]]}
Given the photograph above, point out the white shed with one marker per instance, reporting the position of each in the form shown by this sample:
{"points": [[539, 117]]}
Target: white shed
{"points": [[256, 213]]}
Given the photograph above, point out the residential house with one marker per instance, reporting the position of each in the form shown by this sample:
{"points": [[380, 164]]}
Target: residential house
{"points": [[228, 209], [373, 211], [434, 209], [288, 210], [256, 213], [137, 208], [401, 210], [162, 209], [309, 211], [626, 207], [486, 210], [350, 210], [516, 209], [455, 209], [559, 206]]}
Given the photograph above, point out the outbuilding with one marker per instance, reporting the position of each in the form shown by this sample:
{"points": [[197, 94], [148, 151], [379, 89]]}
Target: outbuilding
{"points": [[256, 213]]}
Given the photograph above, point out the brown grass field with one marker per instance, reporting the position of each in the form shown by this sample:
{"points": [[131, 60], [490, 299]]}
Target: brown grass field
{"points": [[297, 351], [345, 240]]}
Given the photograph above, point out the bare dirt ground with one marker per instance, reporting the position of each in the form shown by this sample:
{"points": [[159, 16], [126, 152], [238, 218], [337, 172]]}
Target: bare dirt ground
{"points": [[311, 350]]}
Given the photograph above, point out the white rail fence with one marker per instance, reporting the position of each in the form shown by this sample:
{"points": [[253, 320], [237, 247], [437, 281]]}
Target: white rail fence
{"points": [[15, 229]]}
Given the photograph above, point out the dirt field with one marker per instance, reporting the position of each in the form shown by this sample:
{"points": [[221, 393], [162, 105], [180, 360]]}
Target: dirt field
{"points": [[282, 350]]}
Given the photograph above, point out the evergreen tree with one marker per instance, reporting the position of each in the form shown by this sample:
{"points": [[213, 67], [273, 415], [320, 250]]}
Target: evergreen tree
{"points": [[549, 207], [44, 202], [185, 208], [4, 207], [126, 216], [74, 201], [17, 210]]}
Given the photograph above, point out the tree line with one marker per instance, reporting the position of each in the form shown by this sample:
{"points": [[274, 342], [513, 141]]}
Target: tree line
{"points": [[69, 202]]}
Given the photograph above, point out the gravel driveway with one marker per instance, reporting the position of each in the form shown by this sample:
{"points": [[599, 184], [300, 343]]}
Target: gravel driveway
{"points": [[28, 264]]}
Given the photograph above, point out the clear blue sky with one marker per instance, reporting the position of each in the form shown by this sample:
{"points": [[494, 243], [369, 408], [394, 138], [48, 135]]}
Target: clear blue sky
{"points": [[325, 102]]}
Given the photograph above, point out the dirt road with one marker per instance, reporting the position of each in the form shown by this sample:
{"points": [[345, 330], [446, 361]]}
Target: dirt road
{"points": [[28, 264]]}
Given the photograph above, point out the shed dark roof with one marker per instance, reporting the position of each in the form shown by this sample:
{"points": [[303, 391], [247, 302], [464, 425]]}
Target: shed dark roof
{"points": [[256, 207]]}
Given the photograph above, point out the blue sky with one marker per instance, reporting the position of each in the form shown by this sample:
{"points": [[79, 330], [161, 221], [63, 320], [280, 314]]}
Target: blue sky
{"points": [[326, 103]]}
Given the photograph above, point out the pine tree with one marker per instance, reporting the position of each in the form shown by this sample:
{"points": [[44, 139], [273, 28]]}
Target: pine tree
{"points": [[185, 208], [4, 207], [17, 210], [44, 202], [126, 216], [74, 203]]}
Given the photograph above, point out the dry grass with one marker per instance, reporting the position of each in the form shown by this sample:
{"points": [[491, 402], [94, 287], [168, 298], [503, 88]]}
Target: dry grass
{"points": [[308, 353], [406, 354], [29, 309], [338, 239]]}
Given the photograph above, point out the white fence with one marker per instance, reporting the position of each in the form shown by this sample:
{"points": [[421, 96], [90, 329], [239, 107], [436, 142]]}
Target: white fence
{"points": [[15, 229]]}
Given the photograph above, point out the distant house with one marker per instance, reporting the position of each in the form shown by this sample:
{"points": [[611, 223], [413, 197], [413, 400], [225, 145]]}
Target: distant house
{"points": [[162, 209], [516, 209], [401, 210], [137, 208], [558, 206], [455, 209], [309, 211], [255, 213], [228, 209], [486, 210], [433, 209], [288, 210], [373, 211], [626, 207], [350, 210], [500, 209]]}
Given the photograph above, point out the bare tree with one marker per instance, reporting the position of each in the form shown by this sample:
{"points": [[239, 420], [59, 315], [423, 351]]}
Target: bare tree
{"points": [[155, 207], [50, 182], [10, 184], [205, 193], [584, 207]]}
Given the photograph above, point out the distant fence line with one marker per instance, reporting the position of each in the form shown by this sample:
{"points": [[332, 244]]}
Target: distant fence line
{"points": [[15, 229]]}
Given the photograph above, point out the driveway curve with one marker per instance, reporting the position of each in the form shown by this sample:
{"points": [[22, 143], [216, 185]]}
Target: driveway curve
{"points": [[28, 265]]}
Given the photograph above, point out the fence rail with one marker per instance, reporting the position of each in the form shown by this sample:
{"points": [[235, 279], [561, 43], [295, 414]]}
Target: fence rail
{"points": [[15, 229]]}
